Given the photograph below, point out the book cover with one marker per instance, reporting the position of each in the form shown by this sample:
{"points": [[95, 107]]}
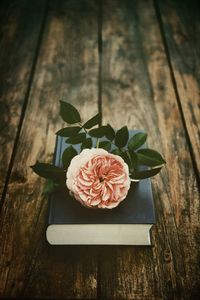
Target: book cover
{"points": [[129, 223]]}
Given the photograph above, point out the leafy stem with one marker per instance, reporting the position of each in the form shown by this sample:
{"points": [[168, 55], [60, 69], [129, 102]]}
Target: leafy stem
{"points": [[143, 162], [131, 164], [81, 125], [97, 144]]}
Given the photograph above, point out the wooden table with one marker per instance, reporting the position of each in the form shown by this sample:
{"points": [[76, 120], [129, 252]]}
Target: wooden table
{"points": [[138, 63]]}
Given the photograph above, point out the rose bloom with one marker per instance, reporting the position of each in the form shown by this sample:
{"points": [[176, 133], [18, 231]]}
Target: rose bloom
{"points": [[97, 178]]}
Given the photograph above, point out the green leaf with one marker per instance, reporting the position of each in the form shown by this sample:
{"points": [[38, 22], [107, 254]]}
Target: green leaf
{"points": [[134, 159], [145, 174], [121, 137], [105, 145], [137, 140], [87, 143], [49, 187], [49, 171], [67, 156], [127, 160], [116, 151], [77, 139], [92, 122], [98, 132], [149, 157], [110, 133], [69, 113], [68, 131]]}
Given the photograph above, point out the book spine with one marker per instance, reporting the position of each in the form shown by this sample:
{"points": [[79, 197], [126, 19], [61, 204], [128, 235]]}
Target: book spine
{"points": [[56, 162], [57, 152]]}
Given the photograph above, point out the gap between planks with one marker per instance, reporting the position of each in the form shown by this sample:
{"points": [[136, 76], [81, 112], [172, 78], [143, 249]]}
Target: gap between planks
{"points": [[100, 53], [163, 36], [24, 106]]}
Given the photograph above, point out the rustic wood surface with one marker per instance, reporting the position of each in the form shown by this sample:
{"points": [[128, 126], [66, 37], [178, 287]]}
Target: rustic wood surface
{"points": [[170, 266], [20, 26], [137, 62], [181, 25]]}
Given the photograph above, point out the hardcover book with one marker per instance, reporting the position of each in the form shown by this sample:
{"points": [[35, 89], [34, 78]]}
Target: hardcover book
{"points": [[70, 223]]}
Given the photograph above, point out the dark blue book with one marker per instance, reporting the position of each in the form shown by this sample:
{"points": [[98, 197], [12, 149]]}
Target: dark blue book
{"points": [[70, 223]]}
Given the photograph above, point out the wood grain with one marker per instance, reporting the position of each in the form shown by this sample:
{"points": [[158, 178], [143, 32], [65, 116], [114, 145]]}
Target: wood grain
{"points": [[20, 25], [67, 69], [138, 91], [181, 25]]}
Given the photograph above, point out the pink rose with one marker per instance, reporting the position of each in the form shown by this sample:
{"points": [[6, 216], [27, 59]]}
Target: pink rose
{"points": [[97, 178]]}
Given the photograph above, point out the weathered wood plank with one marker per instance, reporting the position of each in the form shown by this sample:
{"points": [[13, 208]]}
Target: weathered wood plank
{"points": [[67, 68], [138, 91], [20, 25], [181, 25]]}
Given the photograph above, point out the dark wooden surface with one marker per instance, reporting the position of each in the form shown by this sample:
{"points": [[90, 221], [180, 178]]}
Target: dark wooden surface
{"points": [[137, 62]]}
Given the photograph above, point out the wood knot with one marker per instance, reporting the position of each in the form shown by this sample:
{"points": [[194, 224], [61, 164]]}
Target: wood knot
{"points": [[167, 255], [161, 86], [18, 177], [8, 263]]}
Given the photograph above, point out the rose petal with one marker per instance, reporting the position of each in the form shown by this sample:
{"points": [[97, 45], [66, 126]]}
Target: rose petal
{"points": [[98, 178]]}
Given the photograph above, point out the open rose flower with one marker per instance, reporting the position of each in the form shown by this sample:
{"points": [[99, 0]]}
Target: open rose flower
{"points": [[97, 178]]}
